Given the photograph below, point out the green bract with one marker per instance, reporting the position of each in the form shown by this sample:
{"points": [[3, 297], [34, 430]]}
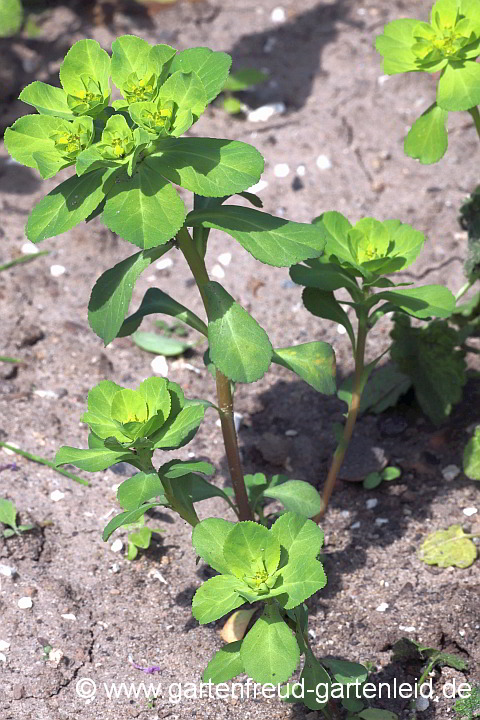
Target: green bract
{"points": [[449, 44]]}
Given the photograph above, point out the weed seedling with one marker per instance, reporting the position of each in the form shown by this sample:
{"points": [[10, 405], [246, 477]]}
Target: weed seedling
{"points": [[8, 516]]}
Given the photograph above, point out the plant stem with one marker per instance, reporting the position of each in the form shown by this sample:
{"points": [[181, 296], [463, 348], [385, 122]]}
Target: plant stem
{"points": [[464, 289], [476, 118], [224, 392], [339, 454], [42, 461]]}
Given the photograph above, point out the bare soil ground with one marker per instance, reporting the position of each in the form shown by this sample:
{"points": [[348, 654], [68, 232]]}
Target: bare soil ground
{"points": [[322, 66]]}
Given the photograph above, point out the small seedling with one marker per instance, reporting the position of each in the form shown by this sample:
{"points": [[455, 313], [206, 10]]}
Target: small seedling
{"points": [[374, 479], [8, 516], [239, 81], [139, 537]]}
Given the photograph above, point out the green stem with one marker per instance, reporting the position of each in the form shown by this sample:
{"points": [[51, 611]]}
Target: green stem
{"points": [[42, 461], [476, 118], [463, 290], [22, 260], [224, 391], [339, 454]]}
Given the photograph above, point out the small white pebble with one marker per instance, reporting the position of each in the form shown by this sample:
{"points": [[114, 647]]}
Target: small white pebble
{"points": [[218, 272], [355, 525], [57, 495], [164, 264], [278, 15], [345, 513], [218, 423], [56, 270], [407, 628], [381, 521], [421, 704], [29, 248], [55, 655], [151, 279], [46, 394], [7, 451], [69, 616], [191, 368], [25, 603], [382, 607], [281, 170], [258, 187], [237, 419], [115, 568], [265, 112], [301, 170], [115, 487], [469, 511], [159, 365], [225, 259], [323, 162], [341, 330], [267, 48], [450, 472], [117, 546], [462, 633], [158, 576], [383, 79], [312, 633], [361, 11], [291, 433], [4, 645], [7, 571], [3, 658], [371, 503]]}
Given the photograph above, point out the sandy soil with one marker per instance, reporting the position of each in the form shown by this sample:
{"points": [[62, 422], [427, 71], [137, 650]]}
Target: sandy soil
{"points": [[322, 66]]}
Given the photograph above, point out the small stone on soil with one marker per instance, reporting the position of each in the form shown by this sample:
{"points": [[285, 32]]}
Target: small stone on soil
{"points": [[56, 495], [159, 365], [371, 503], [29, 248], [278, 15], [25, 603], [382, 607], [217, 272], [57, 270], [7, 571], [323, 162], [164, 264], [469, 511], [281, 170], [225, 259], [450, 472], [4, 645], [117, 546]]}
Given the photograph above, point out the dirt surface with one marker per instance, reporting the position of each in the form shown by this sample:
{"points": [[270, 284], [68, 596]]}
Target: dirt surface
{"points": [[101, 611]]}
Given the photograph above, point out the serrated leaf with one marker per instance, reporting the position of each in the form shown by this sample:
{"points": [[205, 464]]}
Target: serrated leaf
{"points": [[323, 304], [301, 538], [156, 301], [471, 457], [448, 548], [145, 209], [314, 362], [211, 67], [346, 672], [112, 293], [179, 429], [271, 240], [208, 539], [47, 99], [31, 135], [421, 302], [92, 460], [395, 45], [129, 55], [239, 347], [295, 586], [245, 544], [67, 205], [459, 86], [270, 652], [208, 166], [215, 598], [139, 488], [187, 92], [85, 58], [126, 518], [225, 664], [427, 139], [8, 513], [296, 496]]}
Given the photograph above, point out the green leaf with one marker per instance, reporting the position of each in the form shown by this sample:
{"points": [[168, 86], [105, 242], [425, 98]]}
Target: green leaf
{"points": [[271, 240], [8, 513], [144, 209], [346, 672], [200, 489], [225, 664], [377, 714], [459, 86], [208, 166], [297, 496], [244, 79], [11, 12], [337, 228], [316, 682], [324, 276], [85, 58], [216, 597], [299, 579], [382, 390], [179, 430], [323, 304], [471, 457], [179, 468], [141, 538], [126, 518], [269, 652], [31, 135], [232, 105], [211, 67], [391, 473], [160, 344], [138, 489], [372, 480], [448, 548], [47, 99], [314, 362], [129, 55], [208, 539], [239, 347], [395, 45], [112, 293], [427, 139], [421, 302], [91, 460], [246, 544], [99, 414], [187, 92], [156, 301], [301, 538], [430, 358], [67, 205]]}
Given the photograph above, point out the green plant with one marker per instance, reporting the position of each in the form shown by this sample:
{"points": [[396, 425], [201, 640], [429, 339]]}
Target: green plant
{"points": [[139, 537], [374, 479], [358, 259], [469, 707], [239, 81], [8, 516], [11, 12]]}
